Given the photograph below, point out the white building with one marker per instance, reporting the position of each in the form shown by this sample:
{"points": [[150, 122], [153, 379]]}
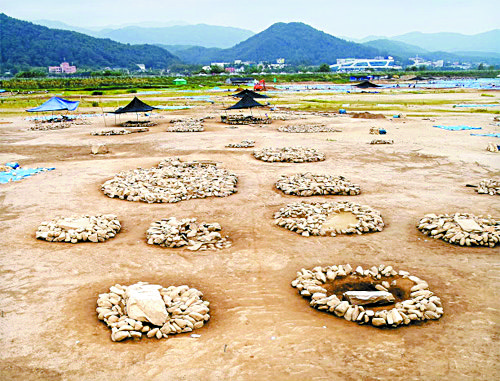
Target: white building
{"points": [[361, 64]]}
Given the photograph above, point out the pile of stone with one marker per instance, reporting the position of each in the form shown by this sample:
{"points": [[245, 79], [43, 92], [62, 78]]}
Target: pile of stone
{"points": [[190, 120], [170, 232], [172, 181], [381, 141], [50, 126], [289, 154], [146, 123], [151, 310], [5, 168], [493, 147], [307, 184], [244, 119], [489, 186], [462, 229], [306, 128], [120, 131], [243, 144], [186, 126], [329, 218], [355, 306], [99, 149], [98, 228]]}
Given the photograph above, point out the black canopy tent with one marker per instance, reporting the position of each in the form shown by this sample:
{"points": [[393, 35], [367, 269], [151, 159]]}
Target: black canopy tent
{"points": [[136, 105], [246, 102], [366, 85], [251, 93]]}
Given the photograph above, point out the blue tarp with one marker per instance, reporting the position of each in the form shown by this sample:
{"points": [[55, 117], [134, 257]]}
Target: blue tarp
{"points": [[457, 128], [20, 173], [56, 104], [493, 135], [478, 105]]}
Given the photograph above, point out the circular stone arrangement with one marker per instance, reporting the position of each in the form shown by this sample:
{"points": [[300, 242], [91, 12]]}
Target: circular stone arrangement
{"points": [[489, 186], [379, 296], [462, 229], [329, 218], [151, 310], [289, 154], [307, 184], [172, 181], [121, 131], [243, 144], [306, 128], [98, 228], [186, 126], [170, 232]]}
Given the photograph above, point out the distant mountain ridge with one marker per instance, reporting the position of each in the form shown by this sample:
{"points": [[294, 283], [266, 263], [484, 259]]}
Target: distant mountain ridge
{"points": [[23, 44], [298, 43], [178, 34], [199, 35], [449, 42]]}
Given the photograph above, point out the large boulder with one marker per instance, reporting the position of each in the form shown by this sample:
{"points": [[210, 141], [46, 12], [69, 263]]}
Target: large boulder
{"points": [[144, 303]]}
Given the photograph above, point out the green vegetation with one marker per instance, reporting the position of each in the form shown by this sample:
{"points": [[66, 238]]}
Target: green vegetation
{"points": [[26, 45]]}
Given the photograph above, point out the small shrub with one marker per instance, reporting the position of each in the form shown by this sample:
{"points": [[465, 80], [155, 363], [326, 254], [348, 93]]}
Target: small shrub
{"points": [[97, 93], [95, 104]]}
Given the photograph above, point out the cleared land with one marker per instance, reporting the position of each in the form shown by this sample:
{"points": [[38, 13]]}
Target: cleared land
{"points": [[260, 327]]}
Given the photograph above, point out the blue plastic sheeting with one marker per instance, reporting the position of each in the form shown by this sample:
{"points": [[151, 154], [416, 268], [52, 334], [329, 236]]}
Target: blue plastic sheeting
{"points": [[203, 98], [342, 111], [458, 128], [56, 104], [12, 164], [479, 105], [493, 135], [20, 173], [173, 107]]}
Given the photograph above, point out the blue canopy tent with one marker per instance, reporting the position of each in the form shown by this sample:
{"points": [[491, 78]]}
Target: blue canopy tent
{"points": [[56, 104]]}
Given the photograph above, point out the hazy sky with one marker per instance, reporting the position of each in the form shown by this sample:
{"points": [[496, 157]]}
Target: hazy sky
{"points": [[352, 18]]}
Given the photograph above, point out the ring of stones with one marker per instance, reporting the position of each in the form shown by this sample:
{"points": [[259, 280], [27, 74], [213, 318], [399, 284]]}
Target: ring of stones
{"points": [[422, 304], [324, 218], [462, 229], [289, 154], [151, 310], [74, 229]]}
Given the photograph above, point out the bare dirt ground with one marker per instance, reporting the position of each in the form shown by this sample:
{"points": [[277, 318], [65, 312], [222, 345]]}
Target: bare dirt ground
{"points": [[260, 327]]}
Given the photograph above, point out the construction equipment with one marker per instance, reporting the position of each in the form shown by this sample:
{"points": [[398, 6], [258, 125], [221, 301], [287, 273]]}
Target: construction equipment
{"points": [[261, 86]]}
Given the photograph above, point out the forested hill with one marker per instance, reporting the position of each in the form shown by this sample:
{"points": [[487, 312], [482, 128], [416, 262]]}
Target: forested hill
{"points": [[298, 43], [23, 44]]}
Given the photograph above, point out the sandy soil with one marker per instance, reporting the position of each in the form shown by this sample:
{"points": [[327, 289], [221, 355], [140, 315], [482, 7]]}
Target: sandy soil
{"points": [[260, 328]]}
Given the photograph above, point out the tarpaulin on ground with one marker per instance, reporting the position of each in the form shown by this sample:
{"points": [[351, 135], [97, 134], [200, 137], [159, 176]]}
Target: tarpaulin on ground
{"points": [[492, 135], [457, 128], [56, 104], [20, 173]]}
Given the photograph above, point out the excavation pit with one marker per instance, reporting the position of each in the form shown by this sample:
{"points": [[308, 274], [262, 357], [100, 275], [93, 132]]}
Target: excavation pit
{"points": [[397, 298], [329, 218]]}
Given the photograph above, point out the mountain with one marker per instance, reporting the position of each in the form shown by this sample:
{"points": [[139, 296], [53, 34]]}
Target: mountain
{"points": [[452, 42], [395, 48], [23, 44], [60, 25], [298, 43], [199, 35]]}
